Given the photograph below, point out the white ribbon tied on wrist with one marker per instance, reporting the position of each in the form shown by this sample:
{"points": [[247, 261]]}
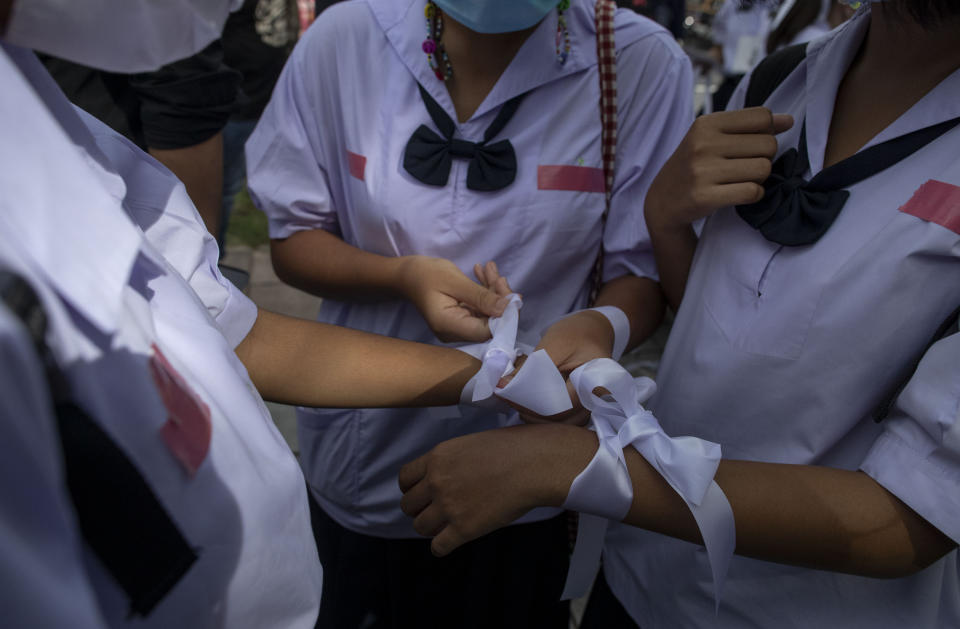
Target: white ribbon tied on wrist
{"points": [[688, 464], [496, 355]]}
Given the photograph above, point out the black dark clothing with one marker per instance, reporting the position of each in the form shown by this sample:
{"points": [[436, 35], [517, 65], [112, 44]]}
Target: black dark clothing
{"points": [[181, 104], [604, 611], [495, 581], [258, 62]]}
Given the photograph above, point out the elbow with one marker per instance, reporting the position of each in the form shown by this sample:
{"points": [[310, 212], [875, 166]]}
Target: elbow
{"points": [[910, 560], [287, 262]]}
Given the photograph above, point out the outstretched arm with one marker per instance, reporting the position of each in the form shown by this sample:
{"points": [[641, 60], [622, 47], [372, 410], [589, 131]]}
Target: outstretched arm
{"points": [[294, 361], [816, 517], [721, 161]]}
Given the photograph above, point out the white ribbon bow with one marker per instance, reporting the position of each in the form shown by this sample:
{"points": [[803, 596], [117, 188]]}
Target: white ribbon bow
{"points": [[496, 355], [687, 464]]}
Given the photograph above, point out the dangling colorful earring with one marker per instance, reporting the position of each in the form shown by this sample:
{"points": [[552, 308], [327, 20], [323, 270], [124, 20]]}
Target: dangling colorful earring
{"points": [[436, 55], [563, 36]]}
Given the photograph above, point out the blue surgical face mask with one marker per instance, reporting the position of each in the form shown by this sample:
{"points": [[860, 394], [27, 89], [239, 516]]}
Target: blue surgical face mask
{"points": [[496, 16]]}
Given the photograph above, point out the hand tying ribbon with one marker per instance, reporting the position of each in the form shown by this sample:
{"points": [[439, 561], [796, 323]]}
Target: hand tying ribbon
{"points": [[688, 464], [497, 354]]}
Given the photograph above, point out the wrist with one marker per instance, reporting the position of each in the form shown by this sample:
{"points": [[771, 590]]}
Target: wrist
{"points": [[619, 325], [554, 475], [597, 329], [404, 275], [579, 446], [660, 220]]}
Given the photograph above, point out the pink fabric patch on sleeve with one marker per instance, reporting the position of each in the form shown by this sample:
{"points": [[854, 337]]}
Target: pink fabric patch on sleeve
{"points": [[357, 164], [187, 430], [937, 202], [575, 178]]}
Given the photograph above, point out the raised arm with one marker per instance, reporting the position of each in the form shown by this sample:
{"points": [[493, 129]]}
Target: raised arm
{"points": [[723, 160]]}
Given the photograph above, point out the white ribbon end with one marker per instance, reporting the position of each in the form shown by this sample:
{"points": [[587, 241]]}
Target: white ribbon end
{"points": [[538, 386]]}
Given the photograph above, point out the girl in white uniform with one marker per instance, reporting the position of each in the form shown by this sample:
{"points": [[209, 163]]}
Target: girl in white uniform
{"points": [[789, 338], [388, 246], [157, 492]]}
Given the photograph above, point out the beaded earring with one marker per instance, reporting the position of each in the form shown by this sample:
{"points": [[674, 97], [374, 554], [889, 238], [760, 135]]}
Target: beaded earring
{"points": [[436, 55], [563, 36]]}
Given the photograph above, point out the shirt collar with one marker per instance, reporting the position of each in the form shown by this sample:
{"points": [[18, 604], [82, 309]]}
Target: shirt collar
{"points": [[75, 233], [535, 64], [828, 60]]}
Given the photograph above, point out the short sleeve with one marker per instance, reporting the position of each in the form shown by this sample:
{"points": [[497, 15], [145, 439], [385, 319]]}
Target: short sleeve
{"points": [[655, 110], [286, 175], [41, 566], [157, 203], [917, 456], [188, 101]]}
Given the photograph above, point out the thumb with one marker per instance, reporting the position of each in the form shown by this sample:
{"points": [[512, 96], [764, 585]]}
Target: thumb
{"points": [[781, 122], [483, 300]]}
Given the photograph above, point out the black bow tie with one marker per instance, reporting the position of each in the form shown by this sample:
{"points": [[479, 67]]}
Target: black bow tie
{"points": [[428, 155], [794, 211]]}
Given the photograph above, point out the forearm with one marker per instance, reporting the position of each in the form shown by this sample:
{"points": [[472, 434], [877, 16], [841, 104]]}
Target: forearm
{"points": [[294, 361], [323, 264], [809, 516], [673, 249], [200, 168], [640, 299]]}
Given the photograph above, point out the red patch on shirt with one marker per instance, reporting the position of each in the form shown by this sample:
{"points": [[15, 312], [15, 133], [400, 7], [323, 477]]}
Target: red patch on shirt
{"points": [[357, 164], [575, 178], [937, 202], [187, 430]]}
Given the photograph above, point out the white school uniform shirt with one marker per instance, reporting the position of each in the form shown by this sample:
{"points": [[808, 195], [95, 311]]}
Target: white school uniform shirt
{"points": [[328, 153], [741, 34], [781, 354], [110, 295]]}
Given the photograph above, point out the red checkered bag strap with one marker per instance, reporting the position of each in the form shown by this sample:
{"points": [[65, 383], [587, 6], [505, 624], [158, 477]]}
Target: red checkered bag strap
{"points": [[607, 69]]}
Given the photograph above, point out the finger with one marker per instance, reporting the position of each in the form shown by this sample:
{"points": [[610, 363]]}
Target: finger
{"points": [[492, 271], [517, 365], [465, 328], [747, 145], [502, 287], [736, 193], [430, 521], [755, 169], [481, 299], [416, 499], [781, 122], [751, 120], [412, 473], [480, 274], [446, 541]]}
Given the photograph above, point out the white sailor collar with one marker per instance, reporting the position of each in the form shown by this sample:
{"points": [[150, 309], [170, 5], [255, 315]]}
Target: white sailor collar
{"points": [[73, 228], [535, 64]]}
